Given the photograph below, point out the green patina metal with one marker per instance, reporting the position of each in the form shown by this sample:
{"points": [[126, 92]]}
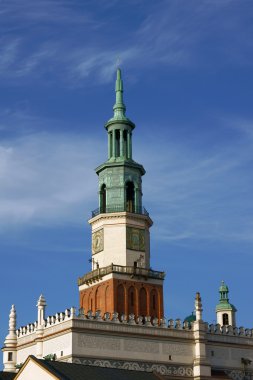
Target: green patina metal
{"points": [[120, 183], [224, 300], [190, 318], [119, 107]]}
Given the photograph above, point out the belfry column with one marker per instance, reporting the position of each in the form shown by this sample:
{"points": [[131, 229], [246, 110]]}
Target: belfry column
{"points": [[201, 366], [10, 344]]}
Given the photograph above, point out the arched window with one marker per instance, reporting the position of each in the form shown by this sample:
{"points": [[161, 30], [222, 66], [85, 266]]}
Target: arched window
{"points": [[107, 298], [98, 299], [225, 319], [90, 302], [143, 302], [121, 299], [130, 201], [103, 199], [131, 300], [153, 303]]}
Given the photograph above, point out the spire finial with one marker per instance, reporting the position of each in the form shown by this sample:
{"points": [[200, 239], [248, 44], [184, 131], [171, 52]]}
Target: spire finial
{"points": [[119, 106]]}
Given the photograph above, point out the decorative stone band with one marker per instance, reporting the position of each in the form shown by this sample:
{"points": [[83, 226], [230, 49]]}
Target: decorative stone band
{"points": [[163, 369], [239, 375], [99, 273]]}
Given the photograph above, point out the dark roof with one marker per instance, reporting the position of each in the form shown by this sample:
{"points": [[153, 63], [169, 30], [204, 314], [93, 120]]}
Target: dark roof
{"points": [[7, 375], [72, 371]]}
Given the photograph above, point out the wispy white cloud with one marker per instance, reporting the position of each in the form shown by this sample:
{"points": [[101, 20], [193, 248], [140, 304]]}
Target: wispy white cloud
{"points": [[45, 179], [174, 33], [193, 195], [198, 195], [8, 53]]}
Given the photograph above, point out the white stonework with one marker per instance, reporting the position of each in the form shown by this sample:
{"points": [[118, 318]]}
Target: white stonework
{"points": [[173, 347], [114, 240], [230, 314]]}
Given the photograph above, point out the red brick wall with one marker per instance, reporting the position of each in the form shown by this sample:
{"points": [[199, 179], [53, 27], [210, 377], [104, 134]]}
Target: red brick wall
{"points": [[125, 297]]}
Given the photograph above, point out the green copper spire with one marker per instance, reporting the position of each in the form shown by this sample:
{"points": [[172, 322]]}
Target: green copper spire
{"points": [[119, 107]]}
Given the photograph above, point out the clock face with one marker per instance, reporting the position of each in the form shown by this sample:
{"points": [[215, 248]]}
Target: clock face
{"points": [[98, 241], [136, 239]]}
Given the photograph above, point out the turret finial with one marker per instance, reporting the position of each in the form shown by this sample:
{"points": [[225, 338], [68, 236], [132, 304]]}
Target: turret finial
{"points": [[119, 106]]}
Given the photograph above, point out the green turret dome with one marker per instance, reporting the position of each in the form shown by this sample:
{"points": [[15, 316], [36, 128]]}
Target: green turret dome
{"points": [[223, 287], [190, 318], [224, 300]]}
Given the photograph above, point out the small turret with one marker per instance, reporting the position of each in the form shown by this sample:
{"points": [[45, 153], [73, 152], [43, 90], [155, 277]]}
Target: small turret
{"points": [[225, 311], [10, 344]]}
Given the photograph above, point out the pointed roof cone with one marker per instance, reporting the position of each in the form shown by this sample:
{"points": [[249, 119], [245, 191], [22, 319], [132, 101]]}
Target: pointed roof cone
{"points": [[119, 107]]}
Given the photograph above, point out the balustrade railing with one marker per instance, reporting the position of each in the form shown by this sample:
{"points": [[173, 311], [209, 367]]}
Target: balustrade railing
{"points": [[132, 270], [119, 208]]}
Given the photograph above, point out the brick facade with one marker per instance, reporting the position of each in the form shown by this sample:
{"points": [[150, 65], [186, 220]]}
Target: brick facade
{"points": [[124, 297]]}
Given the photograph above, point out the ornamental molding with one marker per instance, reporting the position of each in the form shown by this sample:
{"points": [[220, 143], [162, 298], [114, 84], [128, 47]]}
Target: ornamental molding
{"points": [[163, 369], [123, 215], [239, 375]]}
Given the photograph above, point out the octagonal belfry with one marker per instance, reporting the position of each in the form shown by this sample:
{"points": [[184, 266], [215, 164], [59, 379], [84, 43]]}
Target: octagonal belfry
{"points": [[121, 279]]}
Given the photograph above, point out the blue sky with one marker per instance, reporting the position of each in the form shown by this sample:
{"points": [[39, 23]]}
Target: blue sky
{"points": [[187, 71]]}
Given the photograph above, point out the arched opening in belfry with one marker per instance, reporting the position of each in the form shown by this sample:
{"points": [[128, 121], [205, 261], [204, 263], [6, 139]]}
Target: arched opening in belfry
{"points": [[143, 302], [120, 299], [130, 197], [225, 319], [125, 148], [117, 143], [103, 199], [131, 300]]}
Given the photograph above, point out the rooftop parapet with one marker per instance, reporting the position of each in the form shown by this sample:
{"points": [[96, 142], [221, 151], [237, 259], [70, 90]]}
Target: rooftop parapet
{"points": [[229, 330]]}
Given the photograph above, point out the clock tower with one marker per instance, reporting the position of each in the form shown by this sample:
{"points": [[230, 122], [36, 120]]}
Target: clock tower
{"points": [[121, 279]]}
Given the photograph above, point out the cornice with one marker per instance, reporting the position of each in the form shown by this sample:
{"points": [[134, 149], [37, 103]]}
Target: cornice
{"points": [[122, 215]]}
